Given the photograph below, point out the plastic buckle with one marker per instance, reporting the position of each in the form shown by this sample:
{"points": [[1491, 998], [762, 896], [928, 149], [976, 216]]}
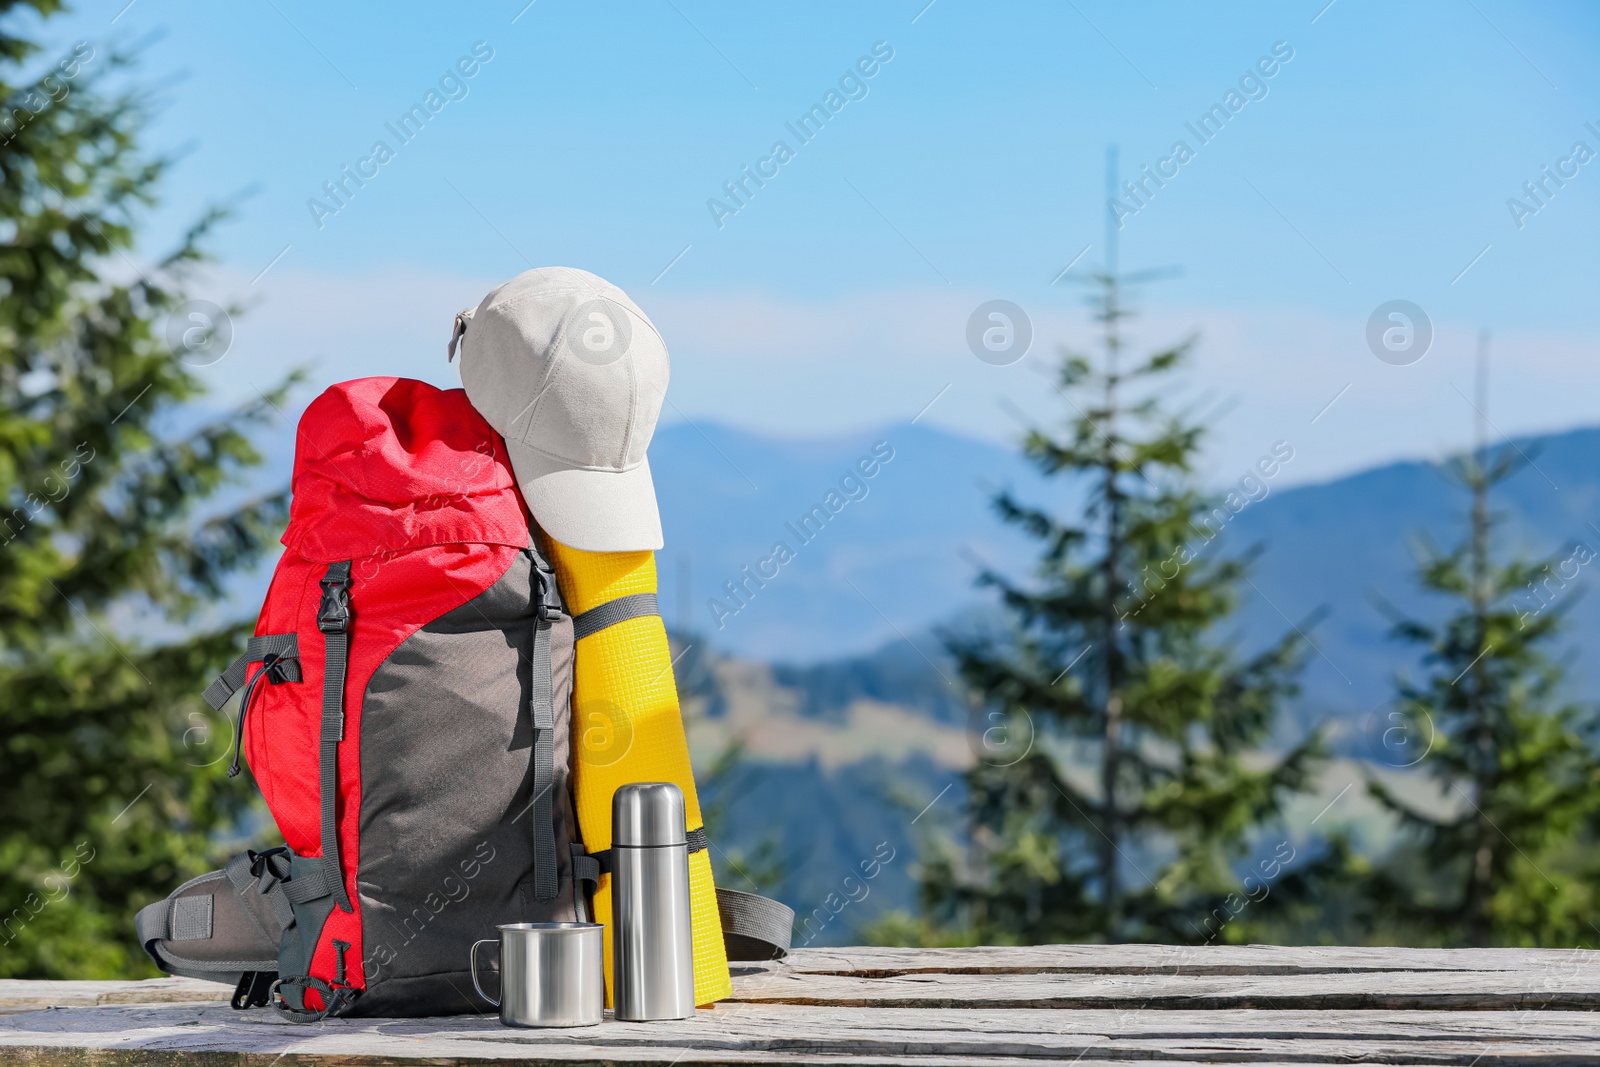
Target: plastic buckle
{"points": [[549, 595], [254, 989], [269, 866], [333, 614]]}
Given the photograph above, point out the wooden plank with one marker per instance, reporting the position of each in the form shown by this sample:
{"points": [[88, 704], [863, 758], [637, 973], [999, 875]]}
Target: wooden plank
{"points": [[1553, 966], [1086, 1004], [1189, 959], [118, 1036], [1073, 977], [1162, 990], [1331, 990], [23, 995]]}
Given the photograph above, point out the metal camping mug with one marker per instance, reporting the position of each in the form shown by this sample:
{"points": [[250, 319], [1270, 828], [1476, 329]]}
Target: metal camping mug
{"points": [[550, 974]]}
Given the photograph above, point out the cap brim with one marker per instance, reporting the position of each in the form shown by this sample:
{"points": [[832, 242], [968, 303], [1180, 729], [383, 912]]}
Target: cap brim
{"points": [[595, 511]]}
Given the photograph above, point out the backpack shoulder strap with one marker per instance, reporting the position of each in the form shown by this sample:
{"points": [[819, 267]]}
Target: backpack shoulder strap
{"points": [[547, 609], [333, 619]]}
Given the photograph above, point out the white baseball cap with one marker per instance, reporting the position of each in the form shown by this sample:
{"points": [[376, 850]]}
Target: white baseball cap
{"points": [[572, 374]]}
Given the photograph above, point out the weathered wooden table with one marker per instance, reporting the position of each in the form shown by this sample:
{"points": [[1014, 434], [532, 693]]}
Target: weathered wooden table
{"points": [[1082, 1004]]}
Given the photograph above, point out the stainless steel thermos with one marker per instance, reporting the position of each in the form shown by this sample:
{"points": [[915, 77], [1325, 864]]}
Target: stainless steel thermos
{"points": [[652, 951]]}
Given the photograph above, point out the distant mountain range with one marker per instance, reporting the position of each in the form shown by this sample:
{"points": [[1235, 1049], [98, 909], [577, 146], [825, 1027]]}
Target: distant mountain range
{"points": [[900, 560], [792, 552]]}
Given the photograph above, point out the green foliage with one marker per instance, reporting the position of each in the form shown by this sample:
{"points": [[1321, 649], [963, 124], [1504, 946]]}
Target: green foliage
{"points": [[902, 928], [1123, 781], [1507, 855], [111, 783], [1512, 863]]}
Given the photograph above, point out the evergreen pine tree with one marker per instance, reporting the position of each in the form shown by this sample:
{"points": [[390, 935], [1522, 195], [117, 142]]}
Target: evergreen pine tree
{"points": [[1120, 779], [111, 785], [1510, 865]]}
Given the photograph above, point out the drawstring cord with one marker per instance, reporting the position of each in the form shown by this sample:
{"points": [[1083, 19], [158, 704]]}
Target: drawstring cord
{"points": [[267, 663]]}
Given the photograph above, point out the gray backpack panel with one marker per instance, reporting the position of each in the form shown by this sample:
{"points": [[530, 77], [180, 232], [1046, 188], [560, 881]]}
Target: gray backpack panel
{"points": [[450, 812]]}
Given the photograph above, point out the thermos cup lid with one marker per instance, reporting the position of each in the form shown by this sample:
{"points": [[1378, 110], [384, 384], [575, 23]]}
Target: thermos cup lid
{"points": [[648, 814]]}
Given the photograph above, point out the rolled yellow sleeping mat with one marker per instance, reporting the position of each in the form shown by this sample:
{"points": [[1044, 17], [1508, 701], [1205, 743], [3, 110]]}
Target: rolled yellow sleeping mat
{"points": [[627, 727]]}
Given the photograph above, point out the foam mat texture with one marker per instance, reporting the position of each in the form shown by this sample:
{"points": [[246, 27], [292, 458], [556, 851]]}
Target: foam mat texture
{"points": [[627, 727]]}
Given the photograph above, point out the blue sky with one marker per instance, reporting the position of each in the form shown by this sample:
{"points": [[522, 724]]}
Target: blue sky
{"points": [[1377, 165]]}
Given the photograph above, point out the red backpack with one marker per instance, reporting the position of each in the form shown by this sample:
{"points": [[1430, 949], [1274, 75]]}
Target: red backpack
{"points": [[405, 709], [411, 736]]}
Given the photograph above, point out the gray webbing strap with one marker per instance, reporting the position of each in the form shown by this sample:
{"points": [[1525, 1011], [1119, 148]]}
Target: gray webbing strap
{"points": [[265, 872], [286, 647], [262, 869], [612, 612], [753, 927], [542, 712], [239, 872], [226, 684], [333, 619], [282, 907], [601, 861], [585, 868], [312, 885]]}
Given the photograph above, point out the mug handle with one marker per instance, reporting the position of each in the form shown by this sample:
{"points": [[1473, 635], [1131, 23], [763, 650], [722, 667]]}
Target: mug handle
{"points": [[472, 966]]}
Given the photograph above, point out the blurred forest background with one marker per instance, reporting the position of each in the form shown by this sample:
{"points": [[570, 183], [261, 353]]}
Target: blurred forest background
{"points": [[1149, 710]]}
